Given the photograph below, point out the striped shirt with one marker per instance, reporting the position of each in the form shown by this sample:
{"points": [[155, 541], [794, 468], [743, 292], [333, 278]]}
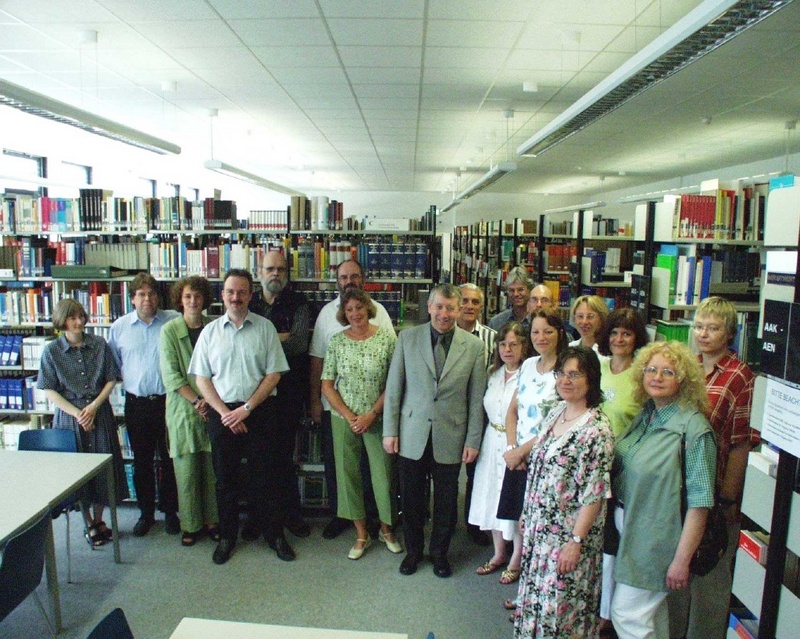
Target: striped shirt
{"points": [[730, 391], [488, 337]]}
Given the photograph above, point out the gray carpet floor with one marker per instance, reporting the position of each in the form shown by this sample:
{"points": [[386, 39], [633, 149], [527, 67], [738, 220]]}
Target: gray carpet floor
{"points": [[160, 582]]}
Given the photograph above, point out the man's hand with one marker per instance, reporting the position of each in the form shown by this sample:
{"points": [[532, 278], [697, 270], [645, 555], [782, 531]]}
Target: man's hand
{"points": [[315, 411], [391, 445], [469, 455], [234, 419]]}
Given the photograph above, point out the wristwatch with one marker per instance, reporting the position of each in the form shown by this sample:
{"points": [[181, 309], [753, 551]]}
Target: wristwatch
{"points": [[577, 539], [510, 447], [248, 408]]}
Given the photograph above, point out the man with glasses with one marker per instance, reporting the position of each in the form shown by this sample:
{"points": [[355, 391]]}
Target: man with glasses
{"points": [[288, 310], [349, 275], [135, 339]]}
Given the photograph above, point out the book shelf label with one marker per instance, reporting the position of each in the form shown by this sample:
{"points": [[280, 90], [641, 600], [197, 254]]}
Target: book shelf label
{"points": [[782, 417]]}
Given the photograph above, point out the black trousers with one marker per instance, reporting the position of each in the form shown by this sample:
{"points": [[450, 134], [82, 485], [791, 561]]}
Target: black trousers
{"points": [[414, 476], [290, 412], [259, 446], [147, 430]]}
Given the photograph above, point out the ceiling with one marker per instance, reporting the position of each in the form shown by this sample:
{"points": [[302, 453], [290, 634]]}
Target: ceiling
{"points": [[409, 95]]}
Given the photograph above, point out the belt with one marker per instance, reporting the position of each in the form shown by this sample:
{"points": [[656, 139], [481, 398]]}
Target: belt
{"points": [[500, 428], [150, 398]]}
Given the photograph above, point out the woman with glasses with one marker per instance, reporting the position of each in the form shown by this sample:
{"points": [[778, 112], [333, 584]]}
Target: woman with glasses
{"points": [[588, 314], [656, 541], [533, 399], [512, 348], [564, 511], [730, 391]]}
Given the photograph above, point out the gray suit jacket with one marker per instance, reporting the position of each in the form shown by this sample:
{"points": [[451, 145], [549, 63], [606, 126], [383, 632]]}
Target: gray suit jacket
{"points": [[416, 405]]}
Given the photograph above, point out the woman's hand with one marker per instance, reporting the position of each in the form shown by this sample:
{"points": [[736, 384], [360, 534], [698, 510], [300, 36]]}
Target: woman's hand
{"points": [[202, 409], [515, 459], [568, 557], [360, 424], [86, 417], [678, 574]]}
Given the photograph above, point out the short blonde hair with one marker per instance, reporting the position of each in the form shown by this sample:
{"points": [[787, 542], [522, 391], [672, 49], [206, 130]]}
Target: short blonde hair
{"points": [[724, 310], [692, 391], [66, 308], [594, 302]]}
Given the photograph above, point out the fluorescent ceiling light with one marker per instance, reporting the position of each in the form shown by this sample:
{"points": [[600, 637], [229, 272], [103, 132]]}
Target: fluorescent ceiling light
{"points": [[577, 207], [452, 205], [494, 174], [705, 28], [37, 104], [252, 178]]}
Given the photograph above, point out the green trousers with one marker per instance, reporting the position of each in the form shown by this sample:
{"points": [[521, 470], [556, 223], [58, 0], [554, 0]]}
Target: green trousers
{"points": [[197, 501]]}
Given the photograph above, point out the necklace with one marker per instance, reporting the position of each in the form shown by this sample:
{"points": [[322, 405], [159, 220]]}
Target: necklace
{"points": [[564, 419]]}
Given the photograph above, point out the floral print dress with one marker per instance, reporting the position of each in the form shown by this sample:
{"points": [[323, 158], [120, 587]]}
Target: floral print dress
{"points": [[565, 473]]}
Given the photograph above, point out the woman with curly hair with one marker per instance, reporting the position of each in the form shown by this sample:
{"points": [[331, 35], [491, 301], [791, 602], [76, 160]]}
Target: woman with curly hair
{"points": [[656, 542]]}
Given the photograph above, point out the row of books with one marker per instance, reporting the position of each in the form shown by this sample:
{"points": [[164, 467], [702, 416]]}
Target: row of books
{"points": [[558, 257], [602, 226], [746, 343], [721, 212], [323, 214], [614, 297], [11, 350], [25, 305], [13, 395], [559, 288], [99, 210], [171, 259], [397, 260], [389, 295]]}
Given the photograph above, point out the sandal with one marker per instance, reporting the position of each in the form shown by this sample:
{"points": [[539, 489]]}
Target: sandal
{"points": [[510, 575], [93, 536], [190, 538], [510, 604], [105, 532], [488, 567], [213, 533]]}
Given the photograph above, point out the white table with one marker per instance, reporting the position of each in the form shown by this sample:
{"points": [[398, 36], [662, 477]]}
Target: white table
{"points": [[190, 628], [34, 482]]}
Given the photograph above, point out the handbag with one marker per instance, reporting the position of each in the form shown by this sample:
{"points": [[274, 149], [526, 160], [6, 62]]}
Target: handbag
{"points": [[715, 536]]}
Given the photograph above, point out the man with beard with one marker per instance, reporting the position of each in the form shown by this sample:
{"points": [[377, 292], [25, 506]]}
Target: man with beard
{"points": [[349, 275], [288, 311]]}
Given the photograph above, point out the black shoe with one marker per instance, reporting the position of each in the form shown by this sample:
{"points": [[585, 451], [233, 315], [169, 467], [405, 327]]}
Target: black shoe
{"points": [[478, 536], [282, 549], [172, 525], [144, 525], [298, 527], [441, 567], [409, 564], [250, 530], [335, 527], [223, 551]]}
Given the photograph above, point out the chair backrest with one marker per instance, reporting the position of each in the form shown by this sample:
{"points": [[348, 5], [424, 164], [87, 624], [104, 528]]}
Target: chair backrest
{"points": [[52, 439], [113, 626], [22, 565]]}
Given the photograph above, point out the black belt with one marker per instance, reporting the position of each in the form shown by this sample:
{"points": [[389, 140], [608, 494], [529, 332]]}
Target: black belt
{"points": [[150, 398]]}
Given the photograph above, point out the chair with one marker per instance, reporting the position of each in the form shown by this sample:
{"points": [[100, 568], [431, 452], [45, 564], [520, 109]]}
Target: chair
{"points": [[55, 440], [113, 626], [21, 567]]}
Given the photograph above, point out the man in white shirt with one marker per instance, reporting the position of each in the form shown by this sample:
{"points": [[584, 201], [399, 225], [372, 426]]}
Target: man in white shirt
{"points": [[238, 362], [350, 274]]}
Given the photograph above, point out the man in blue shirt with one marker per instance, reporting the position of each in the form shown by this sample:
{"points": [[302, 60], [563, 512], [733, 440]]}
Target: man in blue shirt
{"points": [[134, 340]]}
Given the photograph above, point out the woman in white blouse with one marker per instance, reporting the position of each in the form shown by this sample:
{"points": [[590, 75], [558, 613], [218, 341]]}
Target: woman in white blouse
{"points": [[511, 349]]}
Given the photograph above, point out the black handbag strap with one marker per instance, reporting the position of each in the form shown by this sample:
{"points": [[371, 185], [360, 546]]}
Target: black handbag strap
{"points": [[684, 496]]}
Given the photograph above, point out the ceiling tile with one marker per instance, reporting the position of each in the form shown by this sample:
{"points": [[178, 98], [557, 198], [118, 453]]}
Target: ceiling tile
{"points": [[359, 9], [457, 57], [376, 33], [184, 34], [281, 32], [296, 57], [158, 10], [381, 56], [236, 9], [480, 34]]}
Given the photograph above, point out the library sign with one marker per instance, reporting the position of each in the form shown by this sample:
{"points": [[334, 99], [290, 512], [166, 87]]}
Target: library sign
{"points": [[780, 359]]}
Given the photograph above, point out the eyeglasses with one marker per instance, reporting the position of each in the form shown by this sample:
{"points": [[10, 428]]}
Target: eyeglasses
{"points": [[274, 269], [666, 372], [589, 316], [572, 376], [711, 328]]}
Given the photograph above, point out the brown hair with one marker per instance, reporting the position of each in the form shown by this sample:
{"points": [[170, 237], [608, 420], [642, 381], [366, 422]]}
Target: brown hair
{"points": [[66, 308], [359, 296], [195, 283]]}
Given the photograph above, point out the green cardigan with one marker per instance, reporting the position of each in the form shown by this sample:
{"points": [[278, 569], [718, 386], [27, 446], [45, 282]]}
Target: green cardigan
{"points": [[186, 431]]}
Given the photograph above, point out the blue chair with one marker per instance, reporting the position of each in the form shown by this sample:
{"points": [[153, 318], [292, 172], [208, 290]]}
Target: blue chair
{"points": [[21, 567], [113, 626], [58, 440]]}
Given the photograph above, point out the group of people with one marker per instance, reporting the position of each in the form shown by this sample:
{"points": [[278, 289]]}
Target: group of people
{"points": [[601, 460], [573, 448]]}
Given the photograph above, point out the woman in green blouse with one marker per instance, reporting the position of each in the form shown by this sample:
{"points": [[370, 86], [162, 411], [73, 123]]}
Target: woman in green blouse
{"points": [[353, 381], [189, 445]]}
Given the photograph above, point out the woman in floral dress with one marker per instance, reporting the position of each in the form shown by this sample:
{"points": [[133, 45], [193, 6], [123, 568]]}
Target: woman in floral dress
{"points": [[563, 513]]}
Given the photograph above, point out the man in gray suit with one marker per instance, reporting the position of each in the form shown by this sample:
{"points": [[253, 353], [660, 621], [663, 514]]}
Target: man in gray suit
{"points": [[433, 417]]}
